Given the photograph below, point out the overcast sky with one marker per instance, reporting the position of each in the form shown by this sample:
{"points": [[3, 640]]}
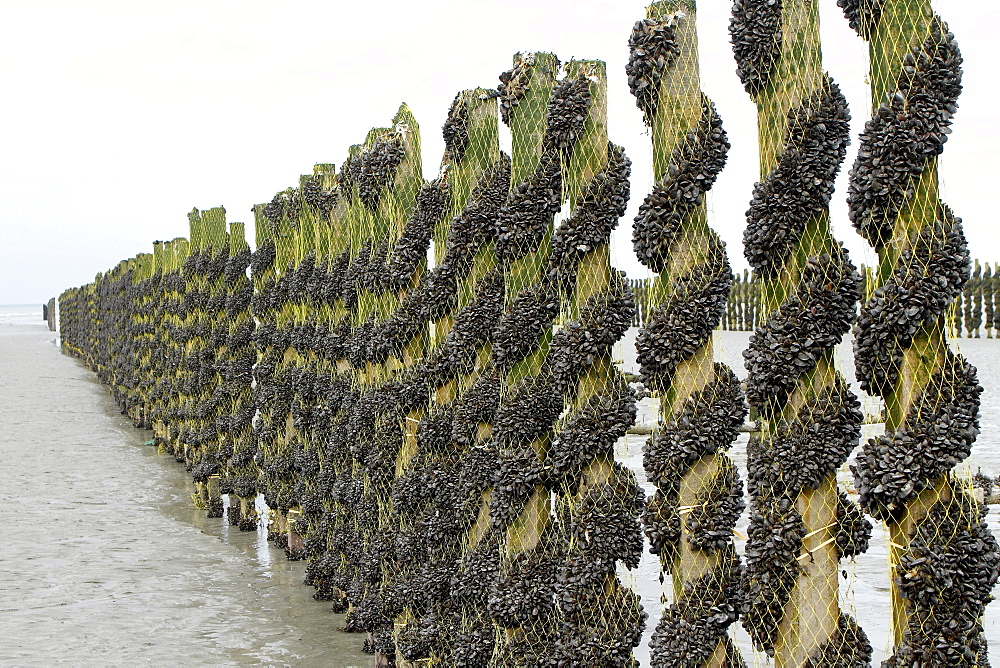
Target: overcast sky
{"points": [[119, 117]]}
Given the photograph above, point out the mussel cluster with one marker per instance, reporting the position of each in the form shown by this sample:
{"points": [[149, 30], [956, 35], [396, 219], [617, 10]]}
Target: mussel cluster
{"points": [[929, 275], [172, 336], [795, 336], [652, 50], [557, 595], [804, 450], [946, 577], [755, 31], [410, 249], [373, 170], [801, 184], [682, 324], [598, 208], [531, 409], [415, 545], [863, 15], [693, 168], [514, 84], [693, 626], [707, 423], [848, 647], [456, 130], [937, 433], [105, 325], [908, 130]]}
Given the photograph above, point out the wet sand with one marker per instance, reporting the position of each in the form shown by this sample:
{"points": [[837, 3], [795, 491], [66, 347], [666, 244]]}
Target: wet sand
{"points": [[104, 559]]}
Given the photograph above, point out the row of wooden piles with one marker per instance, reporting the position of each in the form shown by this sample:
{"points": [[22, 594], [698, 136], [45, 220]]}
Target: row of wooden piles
{"points": [[392, 383], [419, 380]]}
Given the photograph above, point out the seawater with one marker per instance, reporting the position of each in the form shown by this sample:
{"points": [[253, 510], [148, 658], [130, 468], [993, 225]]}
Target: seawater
{"points": [[105, 560]]}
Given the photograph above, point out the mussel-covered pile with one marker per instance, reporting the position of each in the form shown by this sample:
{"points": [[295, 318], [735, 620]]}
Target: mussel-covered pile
{"points": [[807, 419], [566, 512], [207, 329], [436, 497], [234, 421], [702, 403], [946, 560], [170, 333]]}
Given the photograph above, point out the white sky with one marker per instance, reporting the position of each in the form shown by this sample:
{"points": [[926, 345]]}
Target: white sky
{"points": [[118, 117]]}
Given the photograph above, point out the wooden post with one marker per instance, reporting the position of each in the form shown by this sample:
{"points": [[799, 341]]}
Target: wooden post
{"points": [[914, 57], [791, 93], [688, 257]]}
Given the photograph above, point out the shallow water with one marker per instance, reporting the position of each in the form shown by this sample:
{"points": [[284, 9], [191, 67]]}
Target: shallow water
{"points": [[105, 561]]}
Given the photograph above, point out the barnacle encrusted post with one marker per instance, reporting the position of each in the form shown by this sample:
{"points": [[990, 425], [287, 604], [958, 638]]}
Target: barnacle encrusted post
{"points": [[329, 497], [302, 434], [191, 342], [555, 596], [523, 99], [160, 350], [807, 419], [943, 559], [168, 385], [698, 496]]}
